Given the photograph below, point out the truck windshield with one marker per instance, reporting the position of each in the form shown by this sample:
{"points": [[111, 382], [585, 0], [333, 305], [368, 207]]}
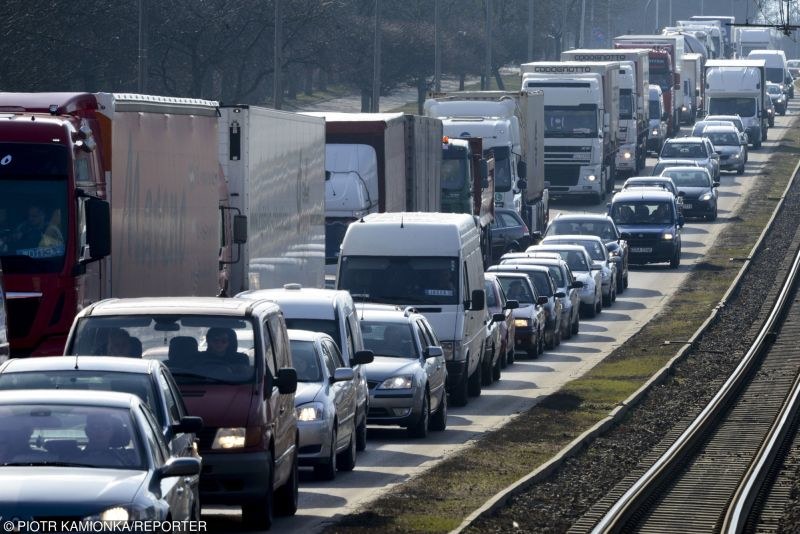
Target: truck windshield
{"points": [[454, 170], [662, 79], [625, 104], [33, 207], [401, 279], [198, 349], [744, 107], [570, 121], [641, 213], [775, 75], [655, 110], [502, 167]]}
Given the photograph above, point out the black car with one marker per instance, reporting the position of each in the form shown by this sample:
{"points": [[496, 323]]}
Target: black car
{"points": [[509, 233], [150, 380], [89, 456], [601, 226], [698, 190], [650, 222]]}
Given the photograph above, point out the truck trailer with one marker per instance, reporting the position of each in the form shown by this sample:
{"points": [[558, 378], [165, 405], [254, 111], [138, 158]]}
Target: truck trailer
{"points": [[274, 163], [693, 87], [738, 87], [106, 195]]}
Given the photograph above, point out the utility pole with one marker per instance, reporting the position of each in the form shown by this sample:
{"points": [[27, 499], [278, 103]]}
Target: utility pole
{"points": [[702, 11], [530, 30], [658, 10], [437, 48], [581, 38], [488, 66], [376, 60], [142, 78], [669, 21], [277, 87]]}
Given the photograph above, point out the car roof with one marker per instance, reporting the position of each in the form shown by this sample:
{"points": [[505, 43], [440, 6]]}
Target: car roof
{"points": [[720, 128], [723, 117], [508, 274], [642, 179], [538, 261], [306, 335], [544, 248], [234, 307], [680, 161], [81, 363], [519, 267], [386, 312], [643, 193], [298, 301], [69, 397], [583, 217], [687, 168], [688, 139], [570, 237]]}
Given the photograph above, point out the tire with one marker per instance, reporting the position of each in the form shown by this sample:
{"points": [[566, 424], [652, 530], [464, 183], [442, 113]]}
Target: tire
{"points": [[497, 370], [361, 435], [475, 382], [607, 299], [713, 216], [540, 344], [566, 332], [557, 336], [614, 292], [740, 170], [620, 283], [327, 471], [599, 305], [511, 356], [757, 145], [438, 420], [258, 514], [591, 312], [625, 282], [675, 262], [419, 429], [550, 343], [459, 394], [576, 326], [347, 458], [286, 497], [486, 373]]}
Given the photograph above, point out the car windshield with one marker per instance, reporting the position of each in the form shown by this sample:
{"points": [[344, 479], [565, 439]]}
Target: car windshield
{"points": [[683, 150], [305, 361], [723, 138], [594, 248], [641, 212], [198, 349], [696, 178], [138, 384], [603, 229], [326, 326], [69, 436], [557, 275], [384, 338], [401, 279], [516, 289], [744, 107]]}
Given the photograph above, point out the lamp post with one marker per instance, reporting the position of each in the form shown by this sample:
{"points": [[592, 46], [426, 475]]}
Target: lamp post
{"points": [[142, 57], [376, 61]]}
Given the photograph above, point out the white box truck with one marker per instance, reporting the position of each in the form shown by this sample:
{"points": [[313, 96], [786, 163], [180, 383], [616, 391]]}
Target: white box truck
{"points": [[692, 87], [633, 101], [274, 162], [581, 124], [777, 69], [738, 87], [749, 39]]}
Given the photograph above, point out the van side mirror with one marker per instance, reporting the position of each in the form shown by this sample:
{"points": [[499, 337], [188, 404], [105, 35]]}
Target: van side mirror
{"points": [[522, 169], [240, 229], [522, 184], [577, 284], [511, 305], [98, 228], [189, 424], [287, 380], [362, 357], [478, 301], [498, 317], [542, 301], [560, 294]]}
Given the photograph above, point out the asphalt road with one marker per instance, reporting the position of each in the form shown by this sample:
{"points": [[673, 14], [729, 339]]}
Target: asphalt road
{"points": [[392, 458]]}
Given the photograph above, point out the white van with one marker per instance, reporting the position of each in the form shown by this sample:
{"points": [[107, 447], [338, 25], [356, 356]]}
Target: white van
{"points": [[431, 261], [777, 68]]}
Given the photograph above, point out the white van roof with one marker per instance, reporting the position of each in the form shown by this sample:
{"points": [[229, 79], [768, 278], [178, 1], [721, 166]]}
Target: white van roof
{"points": [[411, 234]]}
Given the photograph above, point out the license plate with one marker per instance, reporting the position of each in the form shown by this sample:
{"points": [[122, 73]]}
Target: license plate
{"points": [[641, 250], [687, 206]]}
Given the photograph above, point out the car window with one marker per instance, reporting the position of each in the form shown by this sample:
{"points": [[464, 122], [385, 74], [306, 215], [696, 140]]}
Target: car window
{"points": [[423, 335], [155, 439], [172, 407], [557, 275], [280, 343], [269, 351], [541, 280], [335, 354], [327, 358], [508, 219], [351, 340], [384, 338], [431, 334], [491, 299], [516, 289]]}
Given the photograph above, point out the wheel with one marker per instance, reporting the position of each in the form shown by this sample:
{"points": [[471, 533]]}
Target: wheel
{"points": [[327, 471], [361, 435], [486, 372], [258, 514], [675, 262], [420, 428], [625, 282], [557, 336], [458, 395], [599, 305], [757, 145], [764, 135], [503, 360], [713, 216], [614, 291], [438, 420], [497, 370], [511, 357], [740, 170], [566, 332], [287, 495], [346, 460], [576, 326], [475, 381], [591, 311], [550, 341], [783, 112], [607, 299], [620, 282], [541, 343]]}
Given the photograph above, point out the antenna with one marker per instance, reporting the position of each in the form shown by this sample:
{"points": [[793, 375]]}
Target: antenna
{"points": [[401, 221], [76, 362]]}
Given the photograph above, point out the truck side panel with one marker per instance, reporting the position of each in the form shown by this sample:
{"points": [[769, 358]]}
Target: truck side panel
{"points": [[392, 188], [164, 196], [532, 104], [424, 163]]}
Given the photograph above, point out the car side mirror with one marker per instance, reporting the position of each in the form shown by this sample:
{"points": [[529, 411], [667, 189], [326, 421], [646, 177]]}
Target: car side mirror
{"points": [[498, 317], [536, 235], [433, 352], [189, 424], [715, 184], [522, 170], [511, 305], [542, 301], [362, 357], [577, 284], [560, 294], [597, 267], [179, 467], [478, 301], [287, 380], [343, 374], [625, 235]]}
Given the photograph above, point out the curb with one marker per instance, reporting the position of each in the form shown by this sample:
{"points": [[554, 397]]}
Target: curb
{"points": [[615, 416]]}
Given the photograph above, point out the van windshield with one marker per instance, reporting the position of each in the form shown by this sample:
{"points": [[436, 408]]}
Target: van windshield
{"points": [[642, 212], [198, 349], [401, 279]]}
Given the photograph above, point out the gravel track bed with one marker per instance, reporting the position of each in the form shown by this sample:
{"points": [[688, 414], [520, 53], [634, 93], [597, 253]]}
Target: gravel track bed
{"points": [[557, 503]]}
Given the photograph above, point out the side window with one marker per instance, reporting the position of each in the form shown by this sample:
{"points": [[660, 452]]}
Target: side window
{"points": [[431, 334], [269, 351], [327, 357], [335, 354], [467, 288], [154, 438], [348, 329], [424, 337], [280, 341], [172, 406], [176, 393]]}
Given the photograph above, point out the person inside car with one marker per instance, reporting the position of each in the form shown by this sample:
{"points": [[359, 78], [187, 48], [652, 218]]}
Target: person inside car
{"points": [[107, 438], [222, 350]]}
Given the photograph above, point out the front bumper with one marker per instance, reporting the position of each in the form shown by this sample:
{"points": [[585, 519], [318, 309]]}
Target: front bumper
{"points": [[651, 252], [233, 478], [315, 442], [394, 407], [730, 163]]}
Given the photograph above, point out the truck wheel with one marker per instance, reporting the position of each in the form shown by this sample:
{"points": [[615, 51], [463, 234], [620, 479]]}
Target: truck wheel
{"points": [[458, 395], [476, 381]]}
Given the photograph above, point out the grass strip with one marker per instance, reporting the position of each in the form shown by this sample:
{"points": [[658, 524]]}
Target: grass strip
{"points": [[438, 499]]}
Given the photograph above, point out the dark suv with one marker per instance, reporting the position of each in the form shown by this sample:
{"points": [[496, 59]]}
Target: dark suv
{"points": [[649, 220]]}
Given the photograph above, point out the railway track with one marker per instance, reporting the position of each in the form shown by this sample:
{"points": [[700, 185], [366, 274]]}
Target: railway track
{"points": [[716, 476]]}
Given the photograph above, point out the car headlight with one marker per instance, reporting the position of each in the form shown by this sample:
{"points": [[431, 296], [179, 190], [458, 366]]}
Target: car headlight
{"points": [[627, 155], [312, 411], [684, 108], [605, 274], [522, 323], [229, 438], [122, 514], [591, 177], [706, 197], [736, 156], [398, 382], [668, 236], [655, 131]]}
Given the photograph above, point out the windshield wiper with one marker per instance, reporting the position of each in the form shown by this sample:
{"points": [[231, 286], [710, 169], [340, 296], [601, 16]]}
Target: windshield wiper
{"points": [[205, 378]]}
